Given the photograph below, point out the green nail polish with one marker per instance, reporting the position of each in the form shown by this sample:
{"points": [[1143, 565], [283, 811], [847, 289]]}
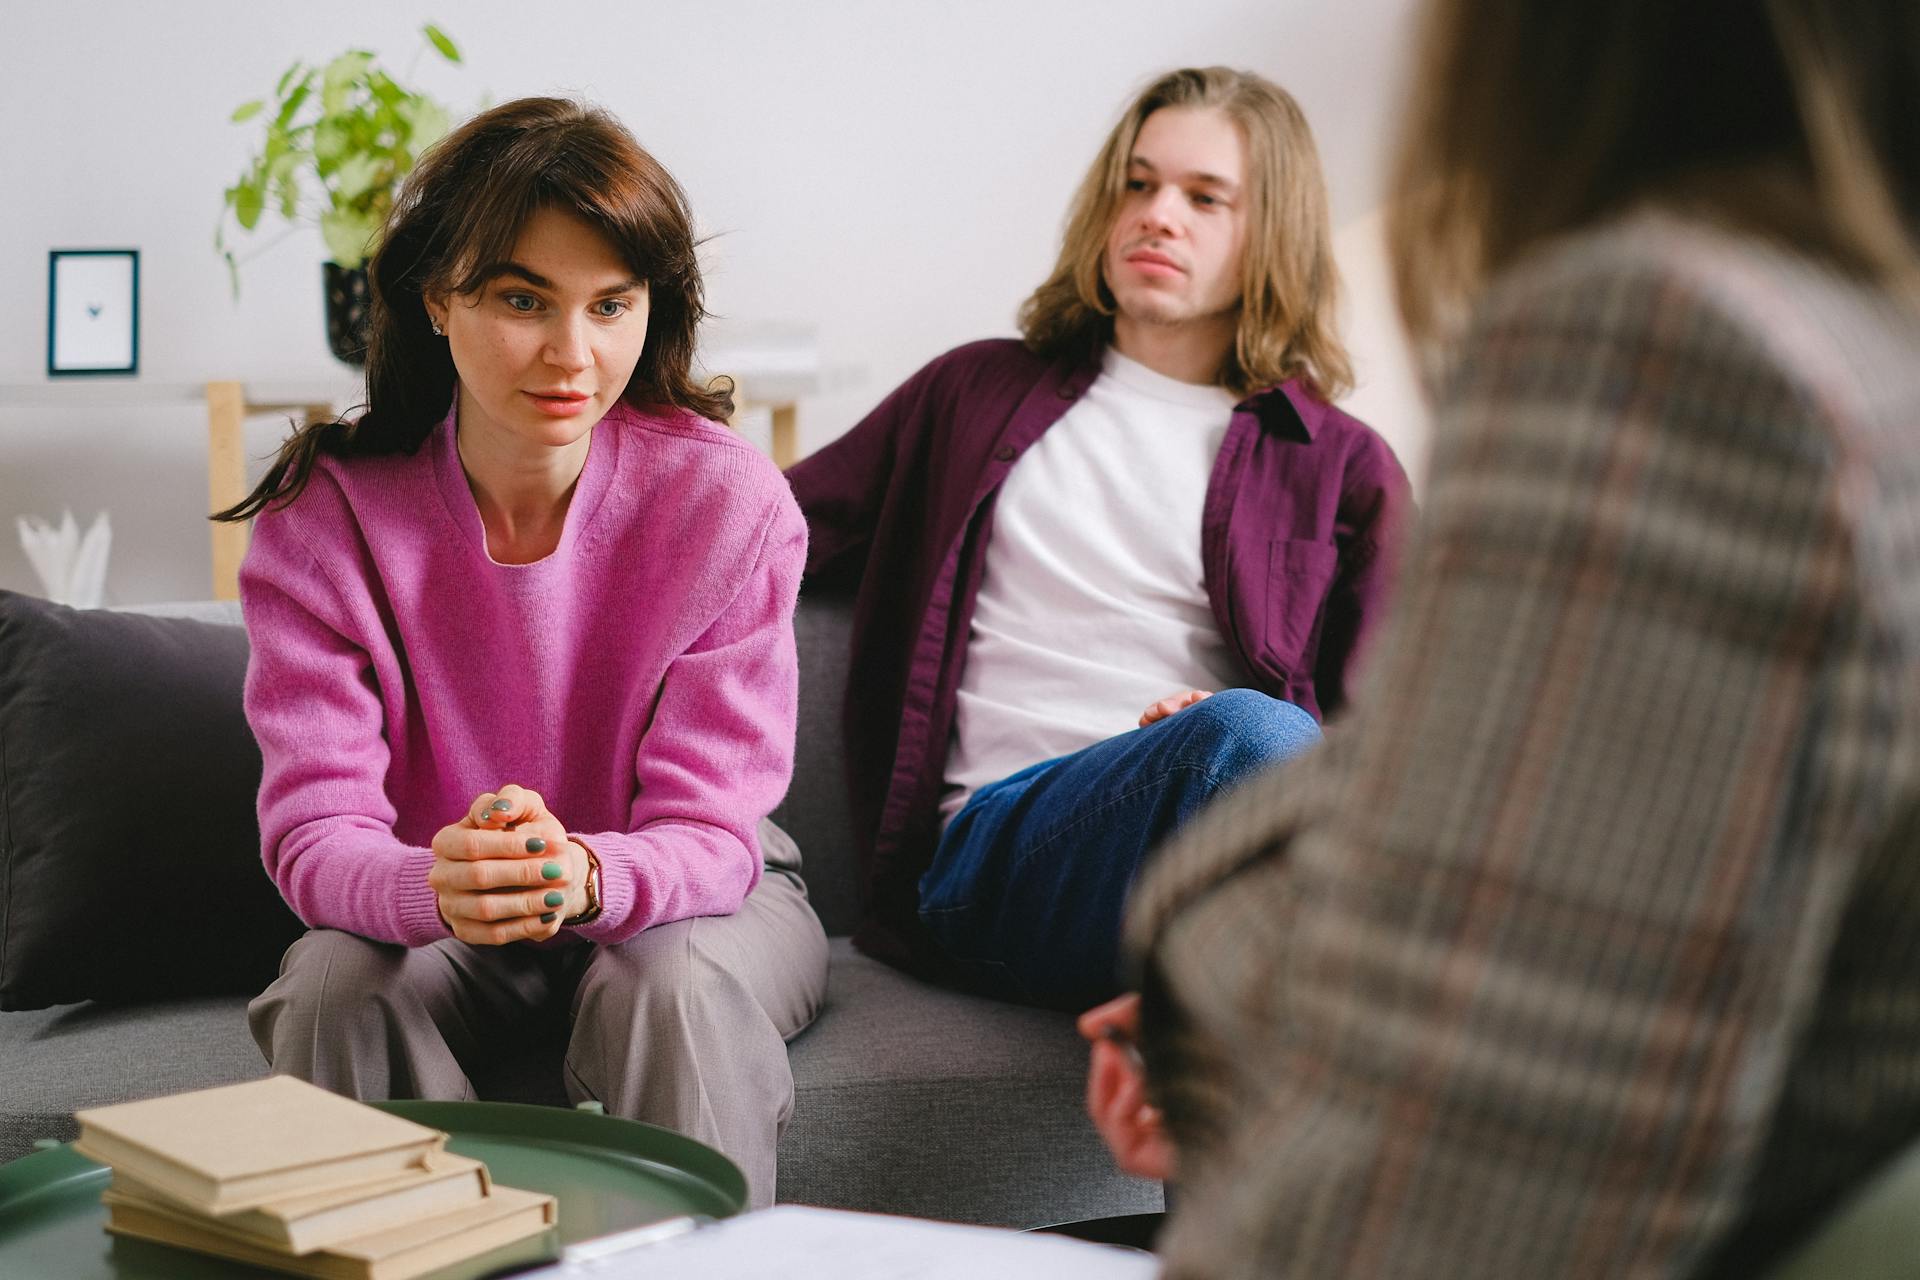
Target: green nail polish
{"points": [[551, 870], [536, 845], [547, 917], [501, 806], [554, 897]]}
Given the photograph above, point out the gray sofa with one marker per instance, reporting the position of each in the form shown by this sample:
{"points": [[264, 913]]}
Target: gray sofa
{"points": [[909, 1098]]}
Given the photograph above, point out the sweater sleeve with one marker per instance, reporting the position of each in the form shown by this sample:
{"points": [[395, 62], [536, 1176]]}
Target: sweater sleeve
{"points": [[313, 702], [716, 757]]}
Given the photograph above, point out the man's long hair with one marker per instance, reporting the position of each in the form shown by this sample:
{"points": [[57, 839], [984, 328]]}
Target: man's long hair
{"points": [[1289, 286]]}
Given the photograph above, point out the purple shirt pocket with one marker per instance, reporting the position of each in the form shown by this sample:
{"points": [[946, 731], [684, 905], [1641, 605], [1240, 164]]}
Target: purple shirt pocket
{"points": [[1300, 571]]}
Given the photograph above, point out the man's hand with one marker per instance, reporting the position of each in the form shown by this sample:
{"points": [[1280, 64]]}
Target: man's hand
{"points": [[506, 872], [1117, 1090], [1167, 706]]}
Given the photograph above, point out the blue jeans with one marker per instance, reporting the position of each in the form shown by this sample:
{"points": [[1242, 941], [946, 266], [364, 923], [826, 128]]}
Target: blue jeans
{"points": [[1027, 887]]}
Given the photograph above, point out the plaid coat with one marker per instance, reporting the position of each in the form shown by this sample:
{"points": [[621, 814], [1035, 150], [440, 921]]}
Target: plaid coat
{"points": [[1589, 944]]}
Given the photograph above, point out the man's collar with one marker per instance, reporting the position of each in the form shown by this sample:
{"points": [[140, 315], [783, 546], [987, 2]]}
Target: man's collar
{"points": [[1289, 401], [1279, 405]]}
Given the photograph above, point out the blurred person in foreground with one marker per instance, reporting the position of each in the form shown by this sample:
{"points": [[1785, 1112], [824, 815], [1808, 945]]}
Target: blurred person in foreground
{"points": [[1586, 945]]}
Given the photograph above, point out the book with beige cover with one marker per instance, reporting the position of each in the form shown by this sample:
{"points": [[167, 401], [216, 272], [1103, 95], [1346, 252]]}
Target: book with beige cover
{"points": [[301, 1224], [506, 1216], [241, 1146]]}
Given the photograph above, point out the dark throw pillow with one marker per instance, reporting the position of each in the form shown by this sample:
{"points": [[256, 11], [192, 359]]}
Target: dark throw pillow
{"points": [[129, 851]]}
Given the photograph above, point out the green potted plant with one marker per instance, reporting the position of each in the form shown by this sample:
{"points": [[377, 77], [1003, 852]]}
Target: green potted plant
{"points": [[339, 140]]}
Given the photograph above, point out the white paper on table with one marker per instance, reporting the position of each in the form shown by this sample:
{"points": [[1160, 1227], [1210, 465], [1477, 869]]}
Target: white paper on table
{"points": [[72, 567], [800, 1243]]}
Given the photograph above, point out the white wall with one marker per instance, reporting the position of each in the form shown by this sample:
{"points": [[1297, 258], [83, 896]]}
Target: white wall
{"points": [[1387, 394], [890, 172]]}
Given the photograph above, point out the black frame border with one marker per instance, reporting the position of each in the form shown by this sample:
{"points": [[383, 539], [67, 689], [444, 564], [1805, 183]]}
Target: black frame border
{"points": [[53, 302]]}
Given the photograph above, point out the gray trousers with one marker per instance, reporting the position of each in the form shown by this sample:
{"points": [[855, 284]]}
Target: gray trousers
{"points": [[683, 1026]]}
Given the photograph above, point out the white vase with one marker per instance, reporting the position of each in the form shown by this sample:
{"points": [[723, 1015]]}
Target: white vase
{"points": [[71, 566]]}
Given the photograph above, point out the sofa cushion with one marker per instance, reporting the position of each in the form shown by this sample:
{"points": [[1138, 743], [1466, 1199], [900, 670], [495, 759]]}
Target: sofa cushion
{"points": [[56, 1061], [814, 811], [910, 1098], [129, 851]]}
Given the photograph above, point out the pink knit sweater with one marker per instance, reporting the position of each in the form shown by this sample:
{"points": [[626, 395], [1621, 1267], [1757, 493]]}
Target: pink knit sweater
{"points": [[642, 678]]}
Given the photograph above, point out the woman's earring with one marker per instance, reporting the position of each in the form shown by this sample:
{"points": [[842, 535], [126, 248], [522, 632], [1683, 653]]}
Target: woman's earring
{"points": [[438, 332]]}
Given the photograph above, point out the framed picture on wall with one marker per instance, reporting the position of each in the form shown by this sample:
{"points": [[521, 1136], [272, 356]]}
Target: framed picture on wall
{"points": [[93, 312]]}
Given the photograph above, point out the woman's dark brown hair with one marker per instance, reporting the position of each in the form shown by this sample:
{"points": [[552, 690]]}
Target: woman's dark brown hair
{"points": [[455, 219], [1796, 118]]}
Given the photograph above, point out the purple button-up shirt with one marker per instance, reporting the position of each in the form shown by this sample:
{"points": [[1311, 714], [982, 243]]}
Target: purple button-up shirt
{"points": [[1296, 540]]}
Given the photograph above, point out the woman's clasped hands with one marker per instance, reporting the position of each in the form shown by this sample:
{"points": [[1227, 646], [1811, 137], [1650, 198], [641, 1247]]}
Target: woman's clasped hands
{"points": [[506, 872]]}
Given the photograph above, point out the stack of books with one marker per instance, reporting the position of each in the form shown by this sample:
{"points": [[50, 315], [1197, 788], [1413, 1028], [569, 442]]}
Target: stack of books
{"points": [[280, 1174]]}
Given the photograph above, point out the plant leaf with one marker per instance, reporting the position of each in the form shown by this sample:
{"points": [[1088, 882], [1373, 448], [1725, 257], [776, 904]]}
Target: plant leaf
{"points": [[427, 123], [286, 78], [357, 173], [248, 200], [348, 235], [442, 42], [348, 66], [383, 87], [285, 183], [294, 99], [247, 111], [330, 142], [340, 76]]}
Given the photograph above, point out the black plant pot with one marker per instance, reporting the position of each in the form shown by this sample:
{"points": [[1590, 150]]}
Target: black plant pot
{"points": [[347, 312]]}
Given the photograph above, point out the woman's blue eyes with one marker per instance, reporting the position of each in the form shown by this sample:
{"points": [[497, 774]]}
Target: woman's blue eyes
{"points": [[527, 304]]}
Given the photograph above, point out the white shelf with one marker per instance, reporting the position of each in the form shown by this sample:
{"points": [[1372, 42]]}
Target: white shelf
{"points": [[134, 393], [775, 365]]}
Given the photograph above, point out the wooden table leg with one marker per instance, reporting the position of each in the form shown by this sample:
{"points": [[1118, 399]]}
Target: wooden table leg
{"points": [[226, 481], [786, 433]]}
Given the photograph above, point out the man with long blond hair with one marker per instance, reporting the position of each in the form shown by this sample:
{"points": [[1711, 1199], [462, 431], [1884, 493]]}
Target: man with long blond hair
{"points": [[1061, 544]]}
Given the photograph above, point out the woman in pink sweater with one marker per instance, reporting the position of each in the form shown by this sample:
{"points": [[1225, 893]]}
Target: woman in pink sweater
{"points": [[523, 669]]}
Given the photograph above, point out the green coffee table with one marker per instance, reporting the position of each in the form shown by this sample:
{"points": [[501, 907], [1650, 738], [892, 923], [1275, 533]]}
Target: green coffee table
{"points": [[608, 1174]]}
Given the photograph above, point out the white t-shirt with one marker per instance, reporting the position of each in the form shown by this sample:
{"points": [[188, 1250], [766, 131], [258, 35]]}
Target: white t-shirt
{"points": [[1093, 604]]}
